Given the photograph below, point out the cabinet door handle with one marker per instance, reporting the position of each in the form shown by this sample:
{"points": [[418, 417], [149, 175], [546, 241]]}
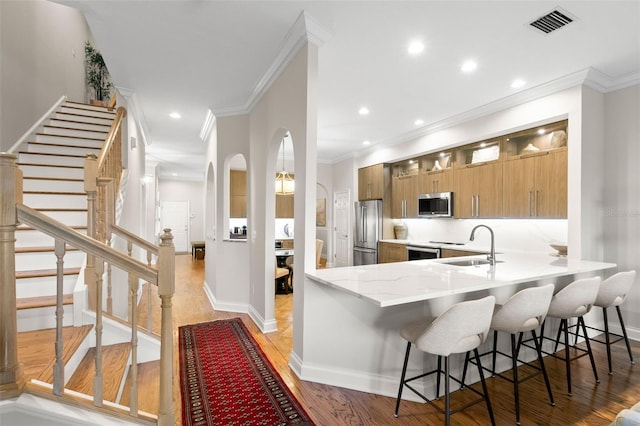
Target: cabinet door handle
{"points": [[530, 214], [473, 205], [477, 205], [536, 204]]}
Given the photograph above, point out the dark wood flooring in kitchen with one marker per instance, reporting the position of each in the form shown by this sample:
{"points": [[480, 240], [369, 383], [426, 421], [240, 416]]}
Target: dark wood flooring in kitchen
{"points": [[590, 404]]}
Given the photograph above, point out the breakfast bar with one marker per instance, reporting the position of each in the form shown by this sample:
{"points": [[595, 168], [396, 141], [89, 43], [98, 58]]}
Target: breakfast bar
{"points": [[352, 314]]}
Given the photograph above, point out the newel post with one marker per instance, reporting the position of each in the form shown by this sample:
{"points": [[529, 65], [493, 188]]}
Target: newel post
{"points": [[91, 188], [12, 379], [166, 289]]}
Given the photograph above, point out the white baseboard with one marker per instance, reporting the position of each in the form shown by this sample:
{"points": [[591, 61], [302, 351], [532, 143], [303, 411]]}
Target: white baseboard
{"points": [[263, 325], [221, 306]]}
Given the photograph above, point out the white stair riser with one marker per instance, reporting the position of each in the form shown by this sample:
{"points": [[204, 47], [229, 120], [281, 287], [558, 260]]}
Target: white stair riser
{"points": [[52, 172], [47, 260], [43, 286], [43, 318], [53, 185], [63, 150], [70, 124], [83, 118], [69, 218], [87, 112], [38, 201], [50, 160], [57, 131], [63, 140], [90, 107], [35, 238]]}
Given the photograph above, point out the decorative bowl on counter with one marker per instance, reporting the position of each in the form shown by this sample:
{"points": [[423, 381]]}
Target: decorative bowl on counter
{"points": [[561, 249]]}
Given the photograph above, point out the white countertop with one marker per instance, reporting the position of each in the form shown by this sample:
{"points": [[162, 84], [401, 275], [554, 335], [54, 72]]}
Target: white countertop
{"points": [[398, 283]]}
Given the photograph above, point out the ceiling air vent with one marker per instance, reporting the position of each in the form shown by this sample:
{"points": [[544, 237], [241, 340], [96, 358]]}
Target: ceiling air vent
{"points": [[551, 21]]}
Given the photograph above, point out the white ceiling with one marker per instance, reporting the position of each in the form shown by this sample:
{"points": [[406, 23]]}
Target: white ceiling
{"points": [[193, 55]]}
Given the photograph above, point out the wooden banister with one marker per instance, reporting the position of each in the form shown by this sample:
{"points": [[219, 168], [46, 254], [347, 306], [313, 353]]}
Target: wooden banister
{"points": [[84, 243]]}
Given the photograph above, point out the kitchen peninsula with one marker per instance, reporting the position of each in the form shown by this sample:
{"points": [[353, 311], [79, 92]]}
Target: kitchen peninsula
{"points": [[352, 314]]}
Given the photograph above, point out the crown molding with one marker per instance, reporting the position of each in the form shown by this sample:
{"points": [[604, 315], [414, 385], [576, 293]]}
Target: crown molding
{"points": [[304, 29], [134, 106], [604, 83], [207, 126]]}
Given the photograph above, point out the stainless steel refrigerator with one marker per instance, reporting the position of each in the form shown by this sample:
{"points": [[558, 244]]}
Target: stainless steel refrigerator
{"points": [[368, 231]]}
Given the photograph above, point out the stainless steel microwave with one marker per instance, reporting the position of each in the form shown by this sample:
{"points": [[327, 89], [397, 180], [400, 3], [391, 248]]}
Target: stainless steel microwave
{"points": [[438, 204]]}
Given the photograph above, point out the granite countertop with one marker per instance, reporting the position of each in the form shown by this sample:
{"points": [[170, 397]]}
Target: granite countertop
{"points": [[391, 284]]}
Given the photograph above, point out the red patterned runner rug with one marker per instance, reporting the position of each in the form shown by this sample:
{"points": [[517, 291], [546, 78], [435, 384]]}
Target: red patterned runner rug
{"points": [[226, 379]]}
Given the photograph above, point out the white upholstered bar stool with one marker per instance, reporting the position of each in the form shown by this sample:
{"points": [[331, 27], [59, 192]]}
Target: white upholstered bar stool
{"points": [[461, 328], [523, 312], [574, 301], [613, 291]]}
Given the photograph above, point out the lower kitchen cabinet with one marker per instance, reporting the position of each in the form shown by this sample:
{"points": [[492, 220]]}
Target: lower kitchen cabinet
{"points": [[391, 252], [445, 252]]}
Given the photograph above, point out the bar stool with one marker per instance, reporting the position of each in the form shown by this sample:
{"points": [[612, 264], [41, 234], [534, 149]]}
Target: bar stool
{"points": [[461, 328], [613, 291], [524, 311], [573, 301]]}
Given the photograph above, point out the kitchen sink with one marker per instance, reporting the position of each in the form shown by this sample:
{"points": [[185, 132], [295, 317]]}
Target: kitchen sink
{"points": [[468, 262]]}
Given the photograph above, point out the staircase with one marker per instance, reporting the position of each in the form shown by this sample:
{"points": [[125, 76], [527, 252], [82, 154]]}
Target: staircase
{"points": [[53, 183], [51, 285]]}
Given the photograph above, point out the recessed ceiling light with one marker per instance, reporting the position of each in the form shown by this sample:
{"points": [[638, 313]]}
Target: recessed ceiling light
{"points": [[469, 66], [518, 83], [366, 142], [415, 47], [363, 111], [175, 115], [174, 174], [418, 122]]}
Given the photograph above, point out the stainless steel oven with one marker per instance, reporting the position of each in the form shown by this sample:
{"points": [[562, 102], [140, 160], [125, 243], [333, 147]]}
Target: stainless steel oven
{"points": [[421, 252]]}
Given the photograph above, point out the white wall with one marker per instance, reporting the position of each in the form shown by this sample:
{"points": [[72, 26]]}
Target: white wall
{"points": [[620, 212], [191, 191], [42, 46]]}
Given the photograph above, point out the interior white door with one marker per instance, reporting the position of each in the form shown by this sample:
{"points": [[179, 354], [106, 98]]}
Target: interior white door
{"points": [[175, 215], [342, 230]]}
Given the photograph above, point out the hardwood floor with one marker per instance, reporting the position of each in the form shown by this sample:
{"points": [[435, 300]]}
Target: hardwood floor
{"points": [[328, 406]]}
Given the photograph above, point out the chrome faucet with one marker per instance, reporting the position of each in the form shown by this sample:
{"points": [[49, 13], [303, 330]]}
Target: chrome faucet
{"points": [[491, 257]]}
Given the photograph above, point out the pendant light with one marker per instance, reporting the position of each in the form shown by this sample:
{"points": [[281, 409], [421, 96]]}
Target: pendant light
{"points": [[285, 185]]}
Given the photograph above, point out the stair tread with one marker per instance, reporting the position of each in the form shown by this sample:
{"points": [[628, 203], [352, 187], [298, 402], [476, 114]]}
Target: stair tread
{"points": [[70, 137], [54, 192], [80, 122], [63, 145], [114, 362], [148, 383], [48, 126], [42, 249], [42, 301], [56, 209], [51, 154], [37, 353], [53, 178], [51, 165], [38, 273], [29, 228]]}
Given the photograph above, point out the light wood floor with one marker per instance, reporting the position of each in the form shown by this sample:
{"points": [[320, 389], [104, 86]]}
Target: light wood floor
{"points": [[328, 406]]}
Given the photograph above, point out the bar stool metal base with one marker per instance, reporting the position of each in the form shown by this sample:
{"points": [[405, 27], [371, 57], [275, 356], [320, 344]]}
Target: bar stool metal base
{"points": [[447, 410]]}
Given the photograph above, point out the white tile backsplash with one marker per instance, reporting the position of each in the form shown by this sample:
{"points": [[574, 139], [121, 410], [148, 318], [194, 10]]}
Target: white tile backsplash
{"points": [[520, 235]]}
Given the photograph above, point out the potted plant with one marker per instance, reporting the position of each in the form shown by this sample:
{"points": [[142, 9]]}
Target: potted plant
{"points": [[97, 74]]}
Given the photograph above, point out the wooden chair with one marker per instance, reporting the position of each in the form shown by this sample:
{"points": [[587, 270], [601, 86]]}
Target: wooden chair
{"points": [[282, 275]]}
